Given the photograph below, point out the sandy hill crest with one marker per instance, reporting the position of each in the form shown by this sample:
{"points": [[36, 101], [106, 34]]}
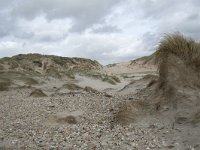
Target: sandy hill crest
{"points": [[143, 64], [47, 64], [145, 61], [37, 70]]}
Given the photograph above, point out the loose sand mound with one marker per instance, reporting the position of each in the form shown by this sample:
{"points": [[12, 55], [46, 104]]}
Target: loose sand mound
{"points": [[38, 93], [177, 89], [65, 118]]}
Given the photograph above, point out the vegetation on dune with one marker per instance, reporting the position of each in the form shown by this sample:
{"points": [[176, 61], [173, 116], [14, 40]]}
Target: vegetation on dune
{"points": [[54, 66], [178, 60], [1, 67], [71, 86], [184, 48], [4, 85], [49, 65], [27, 79], [146, 59], [104, 77]]}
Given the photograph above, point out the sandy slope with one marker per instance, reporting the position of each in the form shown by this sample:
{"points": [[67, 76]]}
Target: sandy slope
{"points": [[130, 68]]}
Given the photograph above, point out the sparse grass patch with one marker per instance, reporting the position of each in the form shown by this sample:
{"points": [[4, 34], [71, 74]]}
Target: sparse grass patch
{"points": [[72, 86], [30, 81], [4, 85], [109, 80], [104, 77], [70, 74], [13, 64], [1, 67], [146, 59], [115, 78], [52, 71], [126, 76]]}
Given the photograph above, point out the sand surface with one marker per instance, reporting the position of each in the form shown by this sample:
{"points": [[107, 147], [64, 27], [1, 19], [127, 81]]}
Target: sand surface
{"points": [[81, 119]]}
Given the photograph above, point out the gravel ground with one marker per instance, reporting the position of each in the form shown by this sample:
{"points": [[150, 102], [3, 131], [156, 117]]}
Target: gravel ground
{"points": [[45, 123]]}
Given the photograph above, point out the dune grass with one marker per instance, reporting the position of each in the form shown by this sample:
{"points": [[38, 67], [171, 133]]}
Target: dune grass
{"points": [[71, 86], [112, 79], [185, 48], [145, 59], [9, 76]]}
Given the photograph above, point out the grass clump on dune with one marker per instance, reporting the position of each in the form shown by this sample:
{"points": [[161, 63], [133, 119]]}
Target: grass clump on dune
{"points": [[184, 48]]}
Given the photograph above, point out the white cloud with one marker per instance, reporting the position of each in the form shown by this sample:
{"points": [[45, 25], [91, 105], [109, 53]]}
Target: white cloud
{"points": [[43, 30]]}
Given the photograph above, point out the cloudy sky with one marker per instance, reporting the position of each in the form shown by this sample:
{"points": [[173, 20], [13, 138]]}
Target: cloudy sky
{"points": [[106, 30]]}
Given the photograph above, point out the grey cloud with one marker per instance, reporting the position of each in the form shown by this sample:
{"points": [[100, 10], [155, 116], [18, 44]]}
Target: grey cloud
{"points": [[150, 40], [106, 29], [48, 38], [21, 34], [6, 25], [193, 17], [84, 13], [190, 28], [6, 4]]}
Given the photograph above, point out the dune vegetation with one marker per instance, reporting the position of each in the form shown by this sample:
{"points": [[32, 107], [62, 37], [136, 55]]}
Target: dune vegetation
{"points": [[185, 48], [5, 84]]}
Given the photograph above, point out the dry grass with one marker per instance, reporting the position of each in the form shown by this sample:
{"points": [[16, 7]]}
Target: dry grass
{"points": [[101, 76], [184, 48], [145, 59], [172, 47], [178, 61], [71, 86]]}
